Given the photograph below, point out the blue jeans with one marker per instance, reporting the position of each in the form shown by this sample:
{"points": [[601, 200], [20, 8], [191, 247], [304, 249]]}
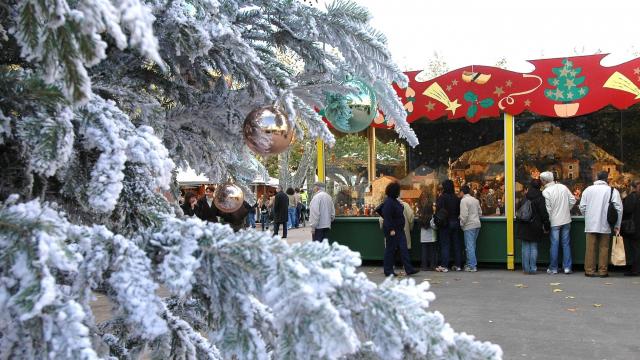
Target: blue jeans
{"points": [[251, 220], [264, 220], [529, 256], [470, 237], [398, 241], [448, 236], [292, 217], [560, 234]]}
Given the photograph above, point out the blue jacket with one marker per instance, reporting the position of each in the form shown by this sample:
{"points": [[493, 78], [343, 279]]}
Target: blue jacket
{"points": [[392, 214]]}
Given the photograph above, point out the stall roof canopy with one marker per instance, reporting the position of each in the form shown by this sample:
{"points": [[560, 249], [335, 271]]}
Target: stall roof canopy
{"points": [[561, 87]]}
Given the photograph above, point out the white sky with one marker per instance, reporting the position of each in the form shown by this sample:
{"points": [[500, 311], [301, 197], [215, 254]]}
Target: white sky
{"points": [[480, 32]]}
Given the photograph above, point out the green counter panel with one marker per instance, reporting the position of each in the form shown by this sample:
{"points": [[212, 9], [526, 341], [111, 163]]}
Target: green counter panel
{"points": [[363, 234]]}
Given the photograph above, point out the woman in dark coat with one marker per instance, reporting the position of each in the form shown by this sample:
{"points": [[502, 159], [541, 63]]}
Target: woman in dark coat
{"points": [[533, 231], [393, 228], [450, 234], [190, 204], [631, 211], [280, 212]]}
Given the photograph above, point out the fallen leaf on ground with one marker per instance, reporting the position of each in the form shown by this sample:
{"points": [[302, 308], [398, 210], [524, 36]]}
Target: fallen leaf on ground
{"points": [[569, 297], [457, 279], [521, 286], [572, 309], [597, 305], [557, 290], [608, 283], [475, 282], [554, 284], [427, 279]]}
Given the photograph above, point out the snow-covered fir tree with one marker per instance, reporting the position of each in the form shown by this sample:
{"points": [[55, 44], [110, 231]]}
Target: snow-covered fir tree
{"points": [[99, 101]]}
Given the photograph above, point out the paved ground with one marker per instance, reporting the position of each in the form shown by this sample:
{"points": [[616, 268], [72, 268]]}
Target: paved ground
{"points": [[536, 317], [531, 317], [540, 316]]}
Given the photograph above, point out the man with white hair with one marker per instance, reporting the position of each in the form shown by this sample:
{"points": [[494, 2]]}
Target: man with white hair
{"points": [[321, 213], [559, 200]]}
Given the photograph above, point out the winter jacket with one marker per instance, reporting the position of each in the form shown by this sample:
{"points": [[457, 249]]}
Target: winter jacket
{"points": [[187, 210], [280, 208], [594, 204], [470, 212], [321, 211], [559, 201], [631, 210], [449, 201], [392, 216], [206, 212], [408, 214], [534, 231]]}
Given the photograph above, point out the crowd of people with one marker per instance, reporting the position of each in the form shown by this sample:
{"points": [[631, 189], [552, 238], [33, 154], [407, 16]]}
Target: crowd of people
{"points": [[452, 223], [449, 227], [287, 209]]}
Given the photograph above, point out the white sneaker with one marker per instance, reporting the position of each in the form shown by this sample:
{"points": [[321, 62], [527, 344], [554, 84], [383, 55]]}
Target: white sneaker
{"points": [[568, 271], [552, 272]]}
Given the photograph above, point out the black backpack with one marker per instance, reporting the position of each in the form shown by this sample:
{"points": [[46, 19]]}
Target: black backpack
{"points": [[441, 218], [612, 213], [525, 212]]}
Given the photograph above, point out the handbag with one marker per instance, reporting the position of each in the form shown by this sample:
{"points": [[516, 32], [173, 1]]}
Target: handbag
{"points": [[628, 227], [612, 213], [618, 257]]}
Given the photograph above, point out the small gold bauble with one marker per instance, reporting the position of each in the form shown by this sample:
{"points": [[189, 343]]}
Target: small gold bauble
{"points": [[228, 197], [267, 132]]}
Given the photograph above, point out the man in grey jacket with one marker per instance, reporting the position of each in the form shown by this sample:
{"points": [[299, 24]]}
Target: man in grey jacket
{"points": [[559, 201], [321, 213], [470, 212], [594, 205]]}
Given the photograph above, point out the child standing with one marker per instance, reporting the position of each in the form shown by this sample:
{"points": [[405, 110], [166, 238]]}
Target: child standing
{"points": [[428, 239]]}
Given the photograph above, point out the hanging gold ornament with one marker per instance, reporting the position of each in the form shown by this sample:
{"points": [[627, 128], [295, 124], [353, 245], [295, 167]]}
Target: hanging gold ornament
{"points": [[267, 132], [228, 197]]}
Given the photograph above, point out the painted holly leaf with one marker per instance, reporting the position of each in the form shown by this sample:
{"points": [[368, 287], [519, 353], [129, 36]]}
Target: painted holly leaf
{"points": [[470, 97], [471, 111], [488, 102]]}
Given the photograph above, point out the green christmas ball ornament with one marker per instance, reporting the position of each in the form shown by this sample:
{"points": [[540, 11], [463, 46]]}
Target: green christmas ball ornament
{"points": [[353, 112]]}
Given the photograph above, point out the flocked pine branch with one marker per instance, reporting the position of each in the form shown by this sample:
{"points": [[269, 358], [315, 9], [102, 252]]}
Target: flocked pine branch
{"points": [[90, 132]]}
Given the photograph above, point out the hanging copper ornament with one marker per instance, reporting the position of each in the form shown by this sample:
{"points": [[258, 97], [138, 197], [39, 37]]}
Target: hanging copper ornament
{"points": [[267, 132], [228, 197]]}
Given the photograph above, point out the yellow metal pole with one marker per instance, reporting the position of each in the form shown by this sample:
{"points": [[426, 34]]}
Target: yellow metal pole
{"points": [[371, 161], [509, 184], [320, 160]]}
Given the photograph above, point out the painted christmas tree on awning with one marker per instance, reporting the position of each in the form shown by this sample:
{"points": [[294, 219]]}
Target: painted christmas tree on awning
{"points": [[566, 89]]}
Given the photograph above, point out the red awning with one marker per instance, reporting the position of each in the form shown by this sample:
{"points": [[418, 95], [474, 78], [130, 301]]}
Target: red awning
{"points": [[562, 87]]}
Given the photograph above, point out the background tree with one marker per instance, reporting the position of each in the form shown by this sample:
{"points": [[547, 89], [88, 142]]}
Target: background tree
{"points": [[98, 100]]}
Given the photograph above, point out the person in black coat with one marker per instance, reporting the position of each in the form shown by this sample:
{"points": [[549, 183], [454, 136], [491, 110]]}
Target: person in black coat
{"points": [[280, 212], [393, 228], [206, 209], [190, 204], [237, 218], [533, 231], [450, 234], [631, 212]]}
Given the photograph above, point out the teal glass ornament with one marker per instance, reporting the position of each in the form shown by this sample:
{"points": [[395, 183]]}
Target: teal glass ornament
{"points": [[353, 112]]}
